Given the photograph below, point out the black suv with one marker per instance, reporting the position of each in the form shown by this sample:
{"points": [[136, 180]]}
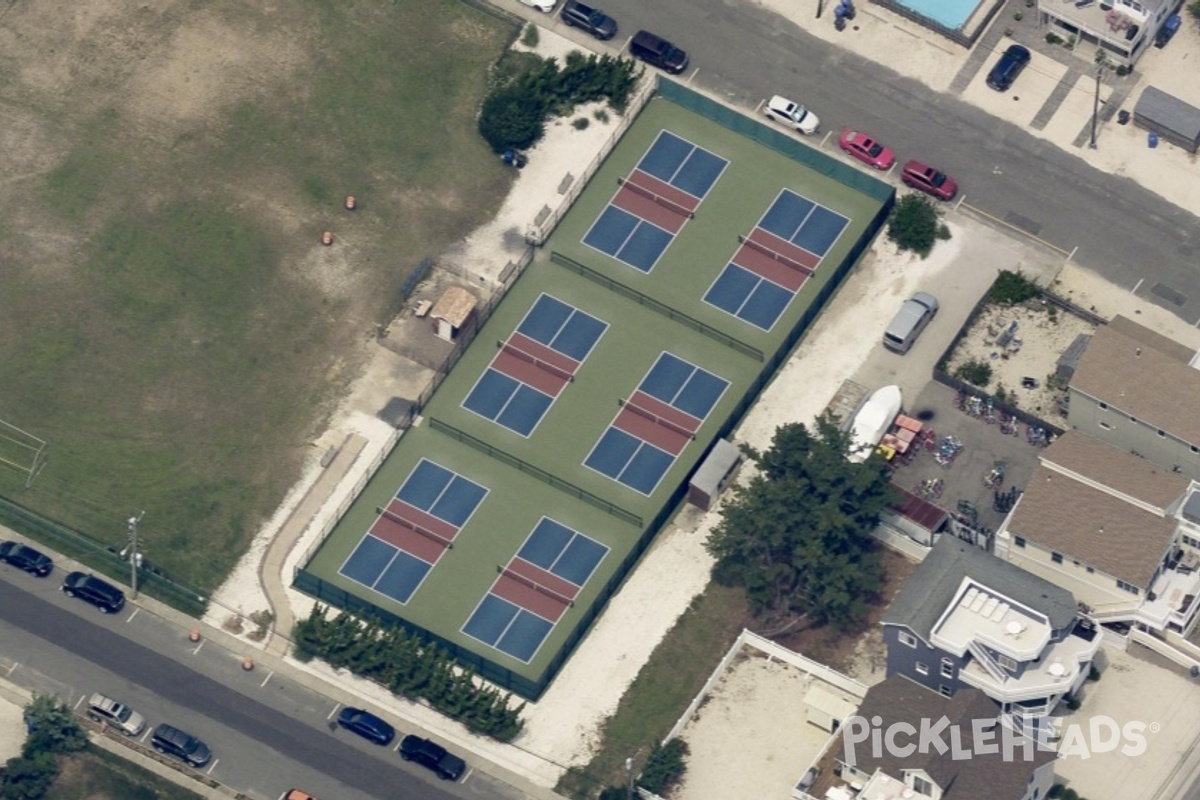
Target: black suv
{"points": [[658, 51], [592, 20], [101, 594], [434, 756], [1008, 68], [174, 742], [32, 561]]}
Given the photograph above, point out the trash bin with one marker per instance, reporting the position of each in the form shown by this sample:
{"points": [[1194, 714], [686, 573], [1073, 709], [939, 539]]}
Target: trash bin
{"points": [[1152, 139], [1122, 117]]}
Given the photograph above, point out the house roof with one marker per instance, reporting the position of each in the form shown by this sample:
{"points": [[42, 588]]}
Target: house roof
{"points": [[454, 306], [1090, 459], [1132, 374], [932, 586], [1164, 344], [1093, 526], [983, 774]]}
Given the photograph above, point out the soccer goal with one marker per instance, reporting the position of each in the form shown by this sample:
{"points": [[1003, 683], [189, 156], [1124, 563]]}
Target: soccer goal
{"points": [[21, 451]]}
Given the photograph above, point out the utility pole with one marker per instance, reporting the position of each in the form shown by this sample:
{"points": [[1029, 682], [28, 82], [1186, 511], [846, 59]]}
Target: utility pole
{"points": [[135, 559], [629, 770], [1101, 61]]}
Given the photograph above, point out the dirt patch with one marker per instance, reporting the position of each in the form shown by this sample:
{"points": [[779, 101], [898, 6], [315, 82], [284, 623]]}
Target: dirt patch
{"points": [[1019, 342]]}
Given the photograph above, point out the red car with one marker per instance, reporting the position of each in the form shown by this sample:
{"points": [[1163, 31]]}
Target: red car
{"points": [[866, 149], [925, 178]]}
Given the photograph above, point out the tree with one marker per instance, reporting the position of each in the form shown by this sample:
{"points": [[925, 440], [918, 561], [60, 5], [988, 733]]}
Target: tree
{"points": [[512, 117], [914, 225], [28, 777], [797, 536], [52, 727]]}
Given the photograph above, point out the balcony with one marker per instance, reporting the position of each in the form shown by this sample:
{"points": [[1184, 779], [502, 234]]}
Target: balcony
{"points": [[1054, 674], [1174, 593]]}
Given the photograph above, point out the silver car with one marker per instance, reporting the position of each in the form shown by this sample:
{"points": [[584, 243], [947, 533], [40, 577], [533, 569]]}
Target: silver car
{"points": [[118, 715]]}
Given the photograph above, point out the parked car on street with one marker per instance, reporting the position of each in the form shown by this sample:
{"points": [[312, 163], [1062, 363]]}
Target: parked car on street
{"points": [[26, 558], [100, 593], [120, 716], [925, 178], [865, 149], [545, 6], [578, 15], [658, 52], [429, 754], [366, 725], [1008, 67], [794, 115], [169, 740]]}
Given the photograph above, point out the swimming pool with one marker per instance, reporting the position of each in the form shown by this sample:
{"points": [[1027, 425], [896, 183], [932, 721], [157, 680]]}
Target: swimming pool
{"points": [[951, 14]]}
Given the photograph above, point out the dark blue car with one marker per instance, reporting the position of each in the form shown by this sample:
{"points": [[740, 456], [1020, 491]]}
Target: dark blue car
{"points": [[366, 725], [32, 561], [1008, 67]]}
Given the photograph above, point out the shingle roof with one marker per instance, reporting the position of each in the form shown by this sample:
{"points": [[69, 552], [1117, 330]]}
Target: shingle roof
{"points": [[1092, 526], [1116, 469], [454, 306], [989, 775], [931, 587], [1135, 376], [1164, 344]]}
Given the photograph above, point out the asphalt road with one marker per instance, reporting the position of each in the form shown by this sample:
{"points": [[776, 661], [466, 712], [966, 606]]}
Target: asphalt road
{"points": [[744, 53], [267, 735]]}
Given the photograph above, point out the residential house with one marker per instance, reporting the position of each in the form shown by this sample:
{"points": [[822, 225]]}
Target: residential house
{"points": [[1136, 390], [981, 758], [1119, 532], [966, 619], [1124, 29]]}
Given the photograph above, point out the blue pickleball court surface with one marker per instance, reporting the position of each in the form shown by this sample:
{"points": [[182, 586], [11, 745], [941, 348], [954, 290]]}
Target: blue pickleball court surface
{"points": [[562, 327], [441, 492], [628, 238], [748, 296], [508, 627], [508, 402], [682, 164], [563, 552], [803, 223], [386, 569]]}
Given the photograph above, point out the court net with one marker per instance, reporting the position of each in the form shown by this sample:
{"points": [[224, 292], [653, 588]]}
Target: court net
{"points": [[669, 205], [416, 528], [674, 427], [774, 255], [537, 587], [540, 363]]}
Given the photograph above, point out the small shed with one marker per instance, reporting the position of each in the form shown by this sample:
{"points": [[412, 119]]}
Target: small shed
{"points": [[1168, 116], [826, 709], [715, 474], [452, 312]]}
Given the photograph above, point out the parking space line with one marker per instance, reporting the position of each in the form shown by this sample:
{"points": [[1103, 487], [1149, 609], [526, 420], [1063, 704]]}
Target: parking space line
{"points": [[197, 650], [336, 706], [212, 766], [264, 683], [1138, 285], [131, 616]]}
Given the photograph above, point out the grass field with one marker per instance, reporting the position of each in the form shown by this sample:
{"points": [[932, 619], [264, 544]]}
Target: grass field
{"points": [[170, 323], [95, 774]]}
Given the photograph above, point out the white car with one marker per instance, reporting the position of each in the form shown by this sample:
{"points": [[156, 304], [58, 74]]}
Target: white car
{"points": [[793, 115], [545, 6]]}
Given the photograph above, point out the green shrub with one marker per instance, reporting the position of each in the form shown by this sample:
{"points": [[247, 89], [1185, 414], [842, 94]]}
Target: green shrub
{"points": [[664, 767], [975, 371], [913, 224], [1093, 673], [580, 123], [1012, 288], [601, 116], [1073, 704], [1054, 38], [28, 777], [512, 117], [529, 36]]}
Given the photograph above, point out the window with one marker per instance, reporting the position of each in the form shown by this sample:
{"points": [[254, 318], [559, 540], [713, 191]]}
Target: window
{"points": [[947, 668], [945, 691], [1162, 434], [1104, 406], [1019, 541], [1195, 449], [1105, 426], [1007, 663], [907, 638], [1056, 558], [922, 668], [922, 786], [1129, 587], [1191, 541]]}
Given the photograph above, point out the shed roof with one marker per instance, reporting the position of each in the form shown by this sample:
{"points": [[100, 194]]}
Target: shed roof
{"points": [[455, 306], [1137, 377], [1158, 110], [716, 466]]}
